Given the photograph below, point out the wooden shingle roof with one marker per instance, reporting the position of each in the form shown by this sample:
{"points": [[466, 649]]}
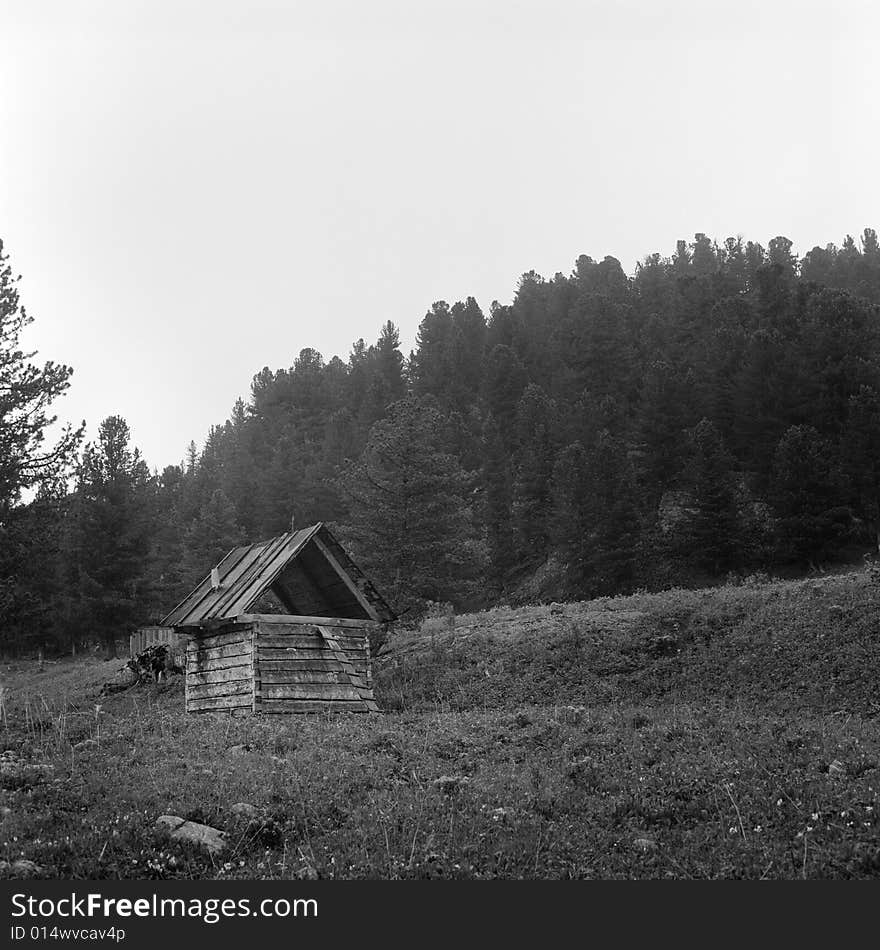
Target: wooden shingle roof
{"points": [[307, 570]]}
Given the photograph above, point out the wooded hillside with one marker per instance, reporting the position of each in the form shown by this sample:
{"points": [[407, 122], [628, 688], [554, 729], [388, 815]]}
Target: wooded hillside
{"points": [[717, 411]]}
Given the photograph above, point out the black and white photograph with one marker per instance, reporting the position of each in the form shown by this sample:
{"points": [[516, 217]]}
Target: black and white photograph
{"points": [[439, 441]]}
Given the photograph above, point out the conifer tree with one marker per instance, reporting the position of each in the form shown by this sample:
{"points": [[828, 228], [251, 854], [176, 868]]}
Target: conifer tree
{"points": [[498, 505], [108, 535], [713, 535], [595, 516], [410, 521], [26, 393], [211, 536], [807, 494], [533, 460]]}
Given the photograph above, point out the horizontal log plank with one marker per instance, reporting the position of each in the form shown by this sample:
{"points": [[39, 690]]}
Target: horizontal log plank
{"points": [[321, 691], [308, 639], [201, 663], [308, 630], [318, 663], [195, 663], [309, 653], [275, 619], [219, 676], [284, 641], [292, 706], [210, 703], [275, 672], [273, 678], [220, 640], [230, 688], [307, 643], [215, 628]]}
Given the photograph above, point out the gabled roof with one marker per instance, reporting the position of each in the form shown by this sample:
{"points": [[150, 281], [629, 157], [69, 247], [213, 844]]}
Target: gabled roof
{"points": [[307, 570]]}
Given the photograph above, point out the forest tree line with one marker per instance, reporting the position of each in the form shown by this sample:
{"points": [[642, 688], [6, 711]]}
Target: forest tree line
{"points": [[716, 412]]}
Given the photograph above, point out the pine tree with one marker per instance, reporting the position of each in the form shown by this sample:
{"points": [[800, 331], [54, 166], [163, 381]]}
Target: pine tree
{"points": [[860, 451], [713, 535], [498, 505], [385, 374], [573, 511], [430, 365], [26, 392], [665, 412], [410, 521], [807, 494], [595, 516], [504, 380], [107, 544], [210, 537], [533, 460], [612, 562]]}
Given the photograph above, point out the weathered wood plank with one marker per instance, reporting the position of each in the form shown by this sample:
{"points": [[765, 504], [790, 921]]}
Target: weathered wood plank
{"points": [[322, 691], [211, 703], [271, 678], [307, 653], [290, 707], [226, 638], [213, 653], [368, 666], [248, 568], [232, 688], [290, 640], [257, 697], [271, 562], [295, 620], [219, 676], [294, 665], [305, 635], [292, 635], [219, 662], [353, 675]]}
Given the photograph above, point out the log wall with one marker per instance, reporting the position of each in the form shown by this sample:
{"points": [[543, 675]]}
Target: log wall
{"points": [[311, 668], [269, 666], [220, 670]]}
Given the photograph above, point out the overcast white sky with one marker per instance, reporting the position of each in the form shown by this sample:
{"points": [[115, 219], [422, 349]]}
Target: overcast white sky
{"points": [[192, 191]]}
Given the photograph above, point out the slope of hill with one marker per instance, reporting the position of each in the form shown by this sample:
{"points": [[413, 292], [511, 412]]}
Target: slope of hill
{"points": [[722, 733], [785, 645]]}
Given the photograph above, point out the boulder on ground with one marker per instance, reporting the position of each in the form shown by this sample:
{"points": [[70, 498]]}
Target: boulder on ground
{"points": [[212, 839]]}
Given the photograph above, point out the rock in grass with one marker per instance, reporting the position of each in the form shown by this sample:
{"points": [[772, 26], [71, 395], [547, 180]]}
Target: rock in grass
{"points": [[245, 810], [212, 839]]}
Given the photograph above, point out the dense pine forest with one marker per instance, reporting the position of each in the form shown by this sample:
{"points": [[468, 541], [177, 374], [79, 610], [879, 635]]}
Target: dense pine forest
{"points": [[715, 413]]}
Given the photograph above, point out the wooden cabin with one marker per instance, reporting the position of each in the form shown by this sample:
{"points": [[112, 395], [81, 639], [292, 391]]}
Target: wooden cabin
{"points": [[244, 657]]}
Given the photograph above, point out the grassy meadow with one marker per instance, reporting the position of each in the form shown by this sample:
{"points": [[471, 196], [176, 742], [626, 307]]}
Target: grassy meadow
{"points": [[723, 733]]}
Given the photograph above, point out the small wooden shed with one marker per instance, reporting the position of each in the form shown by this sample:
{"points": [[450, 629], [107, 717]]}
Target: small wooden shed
{"points": [[314, 657]]}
